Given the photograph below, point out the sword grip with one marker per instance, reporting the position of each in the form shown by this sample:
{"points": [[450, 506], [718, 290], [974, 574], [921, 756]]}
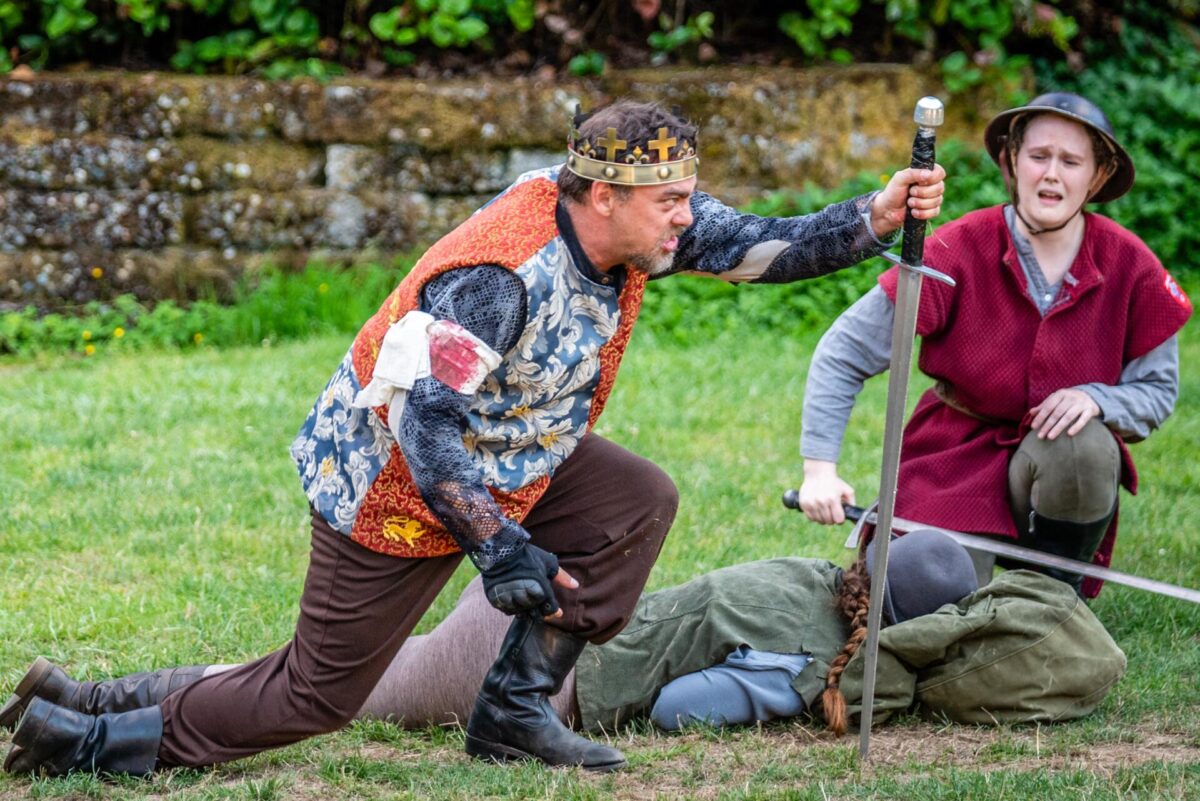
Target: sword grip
{"points": [[791, 499], [913, 249]]}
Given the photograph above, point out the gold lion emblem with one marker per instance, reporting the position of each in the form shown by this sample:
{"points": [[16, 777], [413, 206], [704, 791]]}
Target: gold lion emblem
{"points": [[403, 528]]}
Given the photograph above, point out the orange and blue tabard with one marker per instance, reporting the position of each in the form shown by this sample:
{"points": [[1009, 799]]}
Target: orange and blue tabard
{"points": [[526, 417]]}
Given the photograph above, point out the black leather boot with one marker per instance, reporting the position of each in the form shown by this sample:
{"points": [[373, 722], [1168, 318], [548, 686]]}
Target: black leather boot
{"points": [[53, 741], [136, 691], [513, 718], [1078, 541]]}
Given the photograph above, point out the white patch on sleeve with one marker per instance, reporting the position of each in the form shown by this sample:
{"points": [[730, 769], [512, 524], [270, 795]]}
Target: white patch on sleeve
{"points": [[754, 263]]}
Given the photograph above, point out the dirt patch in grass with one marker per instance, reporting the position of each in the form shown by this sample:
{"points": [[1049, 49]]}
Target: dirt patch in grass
{"points": [[1028, 748], [699, 764]]}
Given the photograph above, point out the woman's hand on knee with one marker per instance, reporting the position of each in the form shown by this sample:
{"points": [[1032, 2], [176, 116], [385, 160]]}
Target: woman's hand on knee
{"points": [[1064, 410]]}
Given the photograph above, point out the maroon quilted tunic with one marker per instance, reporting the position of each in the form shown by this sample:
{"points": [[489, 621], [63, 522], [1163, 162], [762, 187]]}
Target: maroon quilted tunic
{"points": [[986, 339]]}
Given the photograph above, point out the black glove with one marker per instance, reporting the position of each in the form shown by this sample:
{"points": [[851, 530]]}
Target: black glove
{"points": [[521, 583]]}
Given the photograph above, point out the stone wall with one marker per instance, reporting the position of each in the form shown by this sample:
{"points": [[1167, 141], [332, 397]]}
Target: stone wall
{"points": [[166, 185]]}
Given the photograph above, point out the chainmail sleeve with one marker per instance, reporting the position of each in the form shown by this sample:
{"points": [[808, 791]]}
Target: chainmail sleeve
{"points": [[490, 303], [737, 247]]}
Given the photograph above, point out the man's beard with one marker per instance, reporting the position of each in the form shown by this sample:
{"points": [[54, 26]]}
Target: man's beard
{"points": [[652, 264], [656, 262]]}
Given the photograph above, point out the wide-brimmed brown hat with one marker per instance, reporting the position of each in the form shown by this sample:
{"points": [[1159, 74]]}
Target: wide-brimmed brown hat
{"points": [[1075, 108]]}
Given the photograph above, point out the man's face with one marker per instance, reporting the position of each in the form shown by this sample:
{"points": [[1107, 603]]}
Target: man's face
{"points": [[1056, 170], [648, 222]]}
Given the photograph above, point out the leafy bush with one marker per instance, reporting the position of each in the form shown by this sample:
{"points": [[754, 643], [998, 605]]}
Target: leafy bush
{"points": [[973, 42]]}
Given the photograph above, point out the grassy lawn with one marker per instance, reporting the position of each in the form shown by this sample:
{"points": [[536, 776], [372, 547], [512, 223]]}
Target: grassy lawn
{"points": [[152, 517]]}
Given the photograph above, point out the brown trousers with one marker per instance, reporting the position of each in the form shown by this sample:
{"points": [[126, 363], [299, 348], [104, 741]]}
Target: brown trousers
{"points": [[605, 515], [434, 678]]}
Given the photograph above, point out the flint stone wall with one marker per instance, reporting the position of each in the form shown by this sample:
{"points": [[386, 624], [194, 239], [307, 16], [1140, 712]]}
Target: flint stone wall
{"points": [[166, 186]]}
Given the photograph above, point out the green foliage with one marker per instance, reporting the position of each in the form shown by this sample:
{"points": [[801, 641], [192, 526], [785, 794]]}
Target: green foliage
{"points": [[974, 41], [150, 14], [66, 17], [830, 19], [672, 37], [587, 63], [11, 17], [444, 23]]}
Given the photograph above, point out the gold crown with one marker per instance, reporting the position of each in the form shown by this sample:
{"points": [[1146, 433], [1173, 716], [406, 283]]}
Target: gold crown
{"points": [[665, 160]]}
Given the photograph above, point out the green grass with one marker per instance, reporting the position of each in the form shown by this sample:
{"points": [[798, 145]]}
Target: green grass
{"points": [[152, 517]]}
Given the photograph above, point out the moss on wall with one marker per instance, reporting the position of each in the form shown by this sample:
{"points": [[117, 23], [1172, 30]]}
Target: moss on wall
{"points": [[123, 172]]}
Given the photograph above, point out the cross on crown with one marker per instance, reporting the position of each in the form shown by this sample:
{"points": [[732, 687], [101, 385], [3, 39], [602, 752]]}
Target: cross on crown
{"points": [[602, 159]]}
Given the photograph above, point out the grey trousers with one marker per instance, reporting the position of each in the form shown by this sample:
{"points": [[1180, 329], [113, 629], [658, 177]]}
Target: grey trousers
{"points": [[1068, 478]]}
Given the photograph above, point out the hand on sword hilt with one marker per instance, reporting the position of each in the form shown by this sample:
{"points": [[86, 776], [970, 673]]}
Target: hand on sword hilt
{"points": [[791, 499]]}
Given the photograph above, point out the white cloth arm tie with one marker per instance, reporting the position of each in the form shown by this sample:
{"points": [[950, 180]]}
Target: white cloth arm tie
{"points": [[419, 345]]}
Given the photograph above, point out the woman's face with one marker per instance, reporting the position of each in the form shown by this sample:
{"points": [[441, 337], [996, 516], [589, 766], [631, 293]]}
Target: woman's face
{"points": [[1056, 170]]}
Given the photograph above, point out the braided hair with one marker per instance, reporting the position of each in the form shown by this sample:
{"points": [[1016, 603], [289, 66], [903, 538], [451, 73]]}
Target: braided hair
{"points": [[853, 600]]}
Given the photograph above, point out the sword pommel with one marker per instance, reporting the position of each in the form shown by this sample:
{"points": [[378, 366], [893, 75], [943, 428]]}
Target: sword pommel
{"points": [[929, 113]]}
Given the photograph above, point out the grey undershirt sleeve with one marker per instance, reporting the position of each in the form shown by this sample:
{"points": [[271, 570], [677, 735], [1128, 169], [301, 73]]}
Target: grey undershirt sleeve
{"points": [[857, 346], [749, 686], [1144, 396]]}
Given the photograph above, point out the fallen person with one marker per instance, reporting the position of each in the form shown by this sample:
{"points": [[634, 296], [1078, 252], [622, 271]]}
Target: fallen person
{"points": [[777, 639], [773, 639], [1055, 349]]}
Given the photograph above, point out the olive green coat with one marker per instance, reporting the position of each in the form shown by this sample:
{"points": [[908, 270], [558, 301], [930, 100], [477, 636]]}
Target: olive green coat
{"points": [[1021, 649], [1024, 648], [779, 605]]}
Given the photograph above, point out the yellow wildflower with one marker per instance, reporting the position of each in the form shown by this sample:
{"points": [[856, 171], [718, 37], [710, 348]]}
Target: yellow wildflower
{"points": [[87, 335], [118, 332], [89, 350], [97, 272], [197, 337]]}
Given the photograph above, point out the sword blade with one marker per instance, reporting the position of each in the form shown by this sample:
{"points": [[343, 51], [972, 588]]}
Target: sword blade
{"points": [[1022, 553], [928, 116], [908, 298]]}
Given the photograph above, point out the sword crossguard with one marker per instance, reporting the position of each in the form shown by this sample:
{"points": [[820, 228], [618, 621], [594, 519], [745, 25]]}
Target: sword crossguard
{"points": [[923, 269]]}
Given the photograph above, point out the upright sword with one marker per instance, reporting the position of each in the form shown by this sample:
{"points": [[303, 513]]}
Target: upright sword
{"points": [[929, 114]]}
